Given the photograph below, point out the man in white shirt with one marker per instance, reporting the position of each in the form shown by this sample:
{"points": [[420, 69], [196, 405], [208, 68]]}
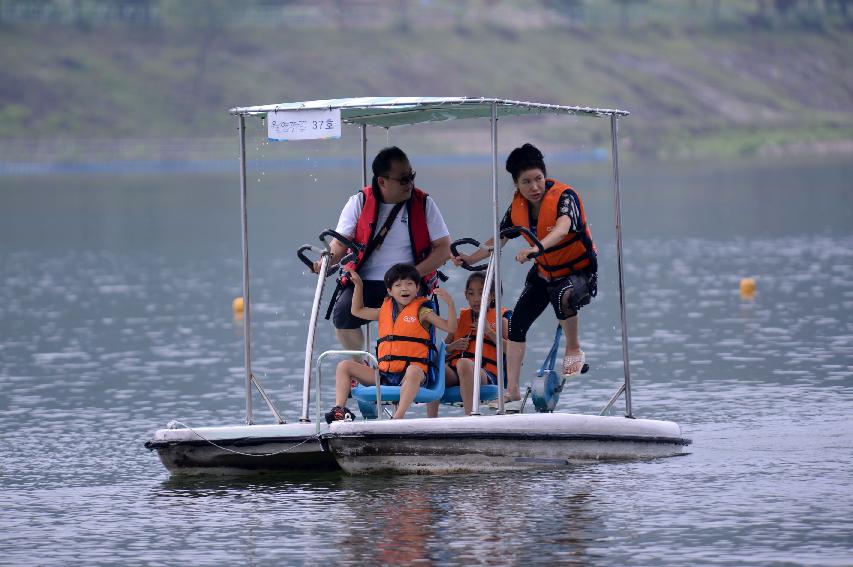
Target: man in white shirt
{"points": [[397, 223]]}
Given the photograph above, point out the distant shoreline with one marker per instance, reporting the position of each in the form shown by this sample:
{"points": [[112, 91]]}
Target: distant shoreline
{"points": [[220, 165], [189, 164]]}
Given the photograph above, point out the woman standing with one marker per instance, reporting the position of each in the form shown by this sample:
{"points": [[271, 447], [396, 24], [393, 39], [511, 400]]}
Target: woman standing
{"points": [[564, 276]]}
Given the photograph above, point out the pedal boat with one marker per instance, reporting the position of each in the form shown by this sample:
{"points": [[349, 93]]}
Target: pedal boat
{"points": [[476, 443]]}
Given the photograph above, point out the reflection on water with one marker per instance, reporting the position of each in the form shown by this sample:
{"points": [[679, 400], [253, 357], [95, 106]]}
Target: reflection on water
{"points": [[115, 313]]}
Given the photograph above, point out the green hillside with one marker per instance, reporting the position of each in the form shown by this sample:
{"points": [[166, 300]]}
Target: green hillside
{"points": [[699, 86]]}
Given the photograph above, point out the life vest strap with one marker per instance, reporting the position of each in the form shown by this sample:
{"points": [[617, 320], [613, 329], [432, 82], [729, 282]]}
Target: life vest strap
{"points": [[467, 354], [392, 357], [563, 244], [486, 340], [569, 264], [418, 340]]}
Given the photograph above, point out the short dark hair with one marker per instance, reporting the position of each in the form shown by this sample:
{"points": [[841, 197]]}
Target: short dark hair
{"points": [[525, 158], [383, 160], [399, 272]]}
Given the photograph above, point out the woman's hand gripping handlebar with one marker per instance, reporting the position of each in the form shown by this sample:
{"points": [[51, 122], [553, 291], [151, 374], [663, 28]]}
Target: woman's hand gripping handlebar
{"points": [[527, 254], [314, 265]]}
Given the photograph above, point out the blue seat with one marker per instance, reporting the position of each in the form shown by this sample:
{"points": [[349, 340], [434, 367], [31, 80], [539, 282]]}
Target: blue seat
{"points": [[432, 390], [453, 396]]}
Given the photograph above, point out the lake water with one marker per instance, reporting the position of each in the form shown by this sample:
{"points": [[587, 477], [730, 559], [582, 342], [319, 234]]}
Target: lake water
{"points": [[115, 314]]}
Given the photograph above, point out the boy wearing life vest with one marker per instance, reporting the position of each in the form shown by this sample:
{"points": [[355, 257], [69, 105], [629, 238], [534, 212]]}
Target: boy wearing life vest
{"points": [[404, 343], [461, 345]]}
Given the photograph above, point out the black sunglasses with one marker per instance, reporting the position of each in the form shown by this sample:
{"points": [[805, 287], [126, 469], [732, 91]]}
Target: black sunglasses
{"points": [[405, 180]]}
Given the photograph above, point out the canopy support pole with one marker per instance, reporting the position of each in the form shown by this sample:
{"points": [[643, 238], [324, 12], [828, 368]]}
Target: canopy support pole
{"points": [[364, 184], [247, 305], [496, 275], [481, 333], [622, 315], [364, 155]]}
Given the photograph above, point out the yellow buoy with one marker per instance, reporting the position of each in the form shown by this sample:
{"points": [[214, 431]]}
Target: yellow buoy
{"points": [[747, 288], [237, 305]]}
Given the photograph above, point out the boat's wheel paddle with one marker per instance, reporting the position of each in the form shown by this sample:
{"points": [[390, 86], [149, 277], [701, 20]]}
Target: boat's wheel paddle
{"points": [[546, 389]]}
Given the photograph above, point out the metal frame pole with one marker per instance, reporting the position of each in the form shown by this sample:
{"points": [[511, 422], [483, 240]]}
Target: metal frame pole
{"points": [[496, 259], [481, 333], [312, 334], [247, 305], [364, 184], [364, 154], [622, 315]]}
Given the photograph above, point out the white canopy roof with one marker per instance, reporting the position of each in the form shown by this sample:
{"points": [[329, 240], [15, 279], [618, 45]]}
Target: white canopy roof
{"points": [[399, 111]]}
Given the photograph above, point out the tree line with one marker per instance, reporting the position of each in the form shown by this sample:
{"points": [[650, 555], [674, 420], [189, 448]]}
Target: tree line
{"points": [[405, 15]]}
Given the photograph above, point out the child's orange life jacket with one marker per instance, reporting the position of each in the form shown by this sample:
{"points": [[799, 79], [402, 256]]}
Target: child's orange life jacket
{"points": [[467, 327], [402, 341]]}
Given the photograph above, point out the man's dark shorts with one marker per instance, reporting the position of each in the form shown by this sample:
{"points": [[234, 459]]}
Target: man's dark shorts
{"points": [[374, 294]]}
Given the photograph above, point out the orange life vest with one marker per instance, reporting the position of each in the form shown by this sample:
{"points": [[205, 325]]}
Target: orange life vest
{"points": [[575, 252], [466, 326], [402, 340]]}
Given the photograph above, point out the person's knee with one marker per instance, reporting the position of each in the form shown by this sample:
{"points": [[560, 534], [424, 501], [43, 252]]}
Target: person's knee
{"points": [[413, 374], [517, 334]]}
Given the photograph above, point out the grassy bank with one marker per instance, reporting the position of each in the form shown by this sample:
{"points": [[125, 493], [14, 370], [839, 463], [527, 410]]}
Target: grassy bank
{"points": [[692, 90]]}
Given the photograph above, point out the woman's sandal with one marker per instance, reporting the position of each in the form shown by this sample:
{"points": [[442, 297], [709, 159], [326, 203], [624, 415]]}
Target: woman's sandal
{"points": [[493, 405], [573, 363]]}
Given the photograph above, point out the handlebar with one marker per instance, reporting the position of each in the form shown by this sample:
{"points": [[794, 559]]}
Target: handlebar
{"points": [[340, 238], [536, 242], [505, 232], [300, 253], [472, 242]]}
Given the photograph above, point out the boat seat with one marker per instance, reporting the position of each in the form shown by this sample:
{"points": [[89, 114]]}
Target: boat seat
{"points": [[452, 396], [432, 390], [488, 392]]}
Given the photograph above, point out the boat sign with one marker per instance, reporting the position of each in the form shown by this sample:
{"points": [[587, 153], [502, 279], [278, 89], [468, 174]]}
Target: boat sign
{"points": [[303, 124]]}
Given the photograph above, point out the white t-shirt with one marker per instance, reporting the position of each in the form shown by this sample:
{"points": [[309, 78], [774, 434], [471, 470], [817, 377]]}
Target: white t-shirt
{"points": [[396, 248]]}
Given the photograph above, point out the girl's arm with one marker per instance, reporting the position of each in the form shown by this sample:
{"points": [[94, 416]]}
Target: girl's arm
{"points": [[448, 324], [357, 308]]}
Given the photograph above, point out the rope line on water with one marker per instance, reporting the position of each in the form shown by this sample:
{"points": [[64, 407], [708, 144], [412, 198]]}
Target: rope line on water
{"points": [[314, 437]]}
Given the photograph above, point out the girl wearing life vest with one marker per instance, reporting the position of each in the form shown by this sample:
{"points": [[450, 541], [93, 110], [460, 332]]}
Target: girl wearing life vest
{"points": [[404, 344], [461, 345], [564, 276]]}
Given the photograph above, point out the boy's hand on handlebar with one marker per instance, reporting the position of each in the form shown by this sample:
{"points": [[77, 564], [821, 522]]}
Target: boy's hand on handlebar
{"points": [[354, 277], [441, 293], [316, 266]]}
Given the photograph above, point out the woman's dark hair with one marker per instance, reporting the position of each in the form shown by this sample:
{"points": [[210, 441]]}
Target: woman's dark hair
{"points": [[399, 272], [524, 158], [383, 160]]}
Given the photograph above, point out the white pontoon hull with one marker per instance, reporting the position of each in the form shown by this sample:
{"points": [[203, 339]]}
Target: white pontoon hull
{"points": [[290, 447], [489, 443]]}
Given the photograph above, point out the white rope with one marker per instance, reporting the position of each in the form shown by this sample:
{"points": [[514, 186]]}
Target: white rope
{"points": [[314, 437]]}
